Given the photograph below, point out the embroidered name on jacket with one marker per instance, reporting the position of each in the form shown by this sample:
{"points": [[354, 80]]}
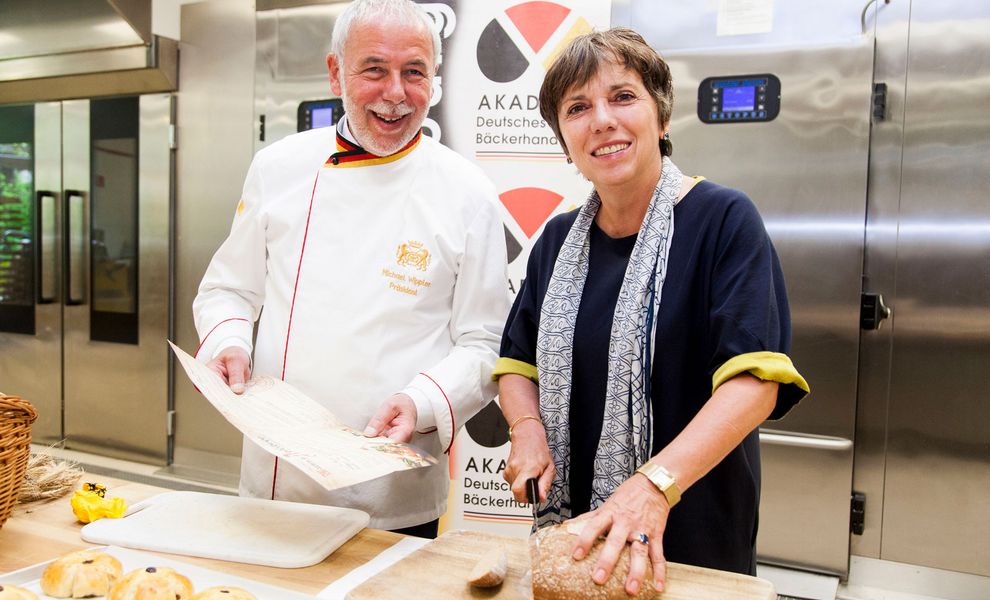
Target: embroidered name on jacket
{"points": [[409, 255]]}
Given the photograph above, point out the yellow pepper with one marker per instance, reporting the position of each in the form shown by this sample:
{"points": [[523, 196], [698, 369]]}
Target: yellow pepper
{"points": [[90, 504]]}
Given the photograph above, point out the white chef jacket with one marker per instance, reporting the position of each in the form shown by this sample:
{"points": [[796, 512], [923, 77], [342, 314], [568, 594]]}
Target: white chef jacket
{"points": [[377, 275]]}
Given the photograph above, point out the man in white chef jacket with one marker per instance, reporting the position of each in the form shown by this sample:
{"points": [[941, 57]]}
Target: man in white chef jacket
{"points": [[379, 259]]}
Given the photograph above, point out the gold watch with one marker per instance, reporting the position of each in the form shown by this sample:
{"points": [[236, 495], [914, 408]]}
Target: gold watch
{"points": [[664, 481]]}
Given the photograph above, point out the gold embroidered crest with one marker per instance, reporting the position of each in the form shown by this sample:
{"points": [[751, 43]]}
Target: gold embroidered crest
{"points": [[413, 254]]}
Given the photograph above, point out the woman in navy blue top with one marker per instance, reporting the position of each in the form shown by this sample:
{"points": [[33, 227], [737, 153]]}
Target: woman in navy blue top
{"points": [[650, 337]]}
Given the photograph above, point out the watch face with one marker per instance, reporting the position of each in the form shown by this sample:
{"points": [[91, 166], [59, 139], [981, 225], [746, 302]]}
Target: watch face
{"points": [[663, 480]]}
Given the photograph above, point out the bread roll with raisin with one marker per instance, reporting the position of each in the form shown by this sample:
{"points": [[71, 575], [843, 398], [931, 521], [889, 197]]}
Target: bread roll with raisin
{"points": [[152, 583], [12, 592], [224, 592], [81, 574]]}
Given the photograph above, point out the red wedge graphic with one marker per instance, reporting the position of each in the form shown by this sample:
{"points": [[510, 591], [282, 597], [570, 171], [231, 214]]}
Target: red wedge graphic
{"points": [[537, 21], [530, 206]]}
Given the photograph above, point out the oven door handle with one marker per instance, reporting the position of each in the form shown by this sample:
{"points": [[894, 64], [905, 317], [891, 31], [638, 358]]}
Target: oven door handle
{"points": [[803, 440], [75, 247], [47, 258]]}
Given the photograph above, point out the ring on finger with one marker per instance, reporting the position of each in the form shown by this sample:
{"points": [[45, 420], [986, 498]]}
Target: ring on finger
{"points": [[642, 538]]}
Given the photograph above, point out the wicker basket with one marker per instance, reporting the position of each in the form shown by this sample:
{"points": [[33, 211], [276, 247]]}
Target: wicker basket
{"points": [[16, 416]]}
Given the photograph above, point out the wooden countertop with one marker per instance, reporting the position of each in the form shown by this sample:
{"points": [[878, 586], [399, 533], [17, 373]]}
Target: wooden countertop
{"points": [[40, 531]]}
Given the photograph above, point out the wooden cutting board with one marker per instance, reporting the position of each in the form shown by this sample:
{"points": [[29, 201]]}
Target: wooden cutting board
{"points": [[440, 570]]}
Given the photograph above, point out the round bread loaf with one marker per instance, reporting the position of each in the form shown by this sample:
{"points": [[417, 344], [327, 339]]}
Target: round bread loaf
{"points": [[224, 593], [557, 576], [12, 592], [152, 583], [81, 574]]}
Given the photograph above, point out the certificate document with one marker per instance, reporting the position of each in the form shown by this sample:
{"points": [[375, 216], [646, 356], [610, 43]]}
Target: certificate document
{"points": [[292, 426]]}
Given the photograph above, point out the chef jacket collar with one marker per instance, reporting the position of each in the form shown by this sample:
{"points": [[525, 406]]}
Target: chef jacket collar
{"points": [[350, 154]]}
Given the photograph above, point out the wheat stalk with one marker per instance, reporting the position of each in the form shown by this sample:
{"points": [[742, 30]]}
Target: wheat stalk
{"points": [[47, 477]]}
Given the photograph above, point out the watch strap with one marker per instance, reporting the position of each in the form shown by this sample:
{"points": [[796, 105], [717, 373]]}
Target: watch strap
{"points": [[663, 480]]}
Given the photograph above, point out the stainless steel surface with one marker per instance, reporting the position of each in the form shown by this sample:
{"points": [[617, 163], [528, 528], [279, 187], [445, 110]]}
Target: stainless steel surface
{"points": [[47, 257], [60, 26], [938, 443], [807, 172], [273, 4], [879, 271], [30, 365], [116, 393], [783, 438], [695, 25], [884, 579], [50, 65], [64, 49], [76, 244], [290, 65], [620, 15], [215, 139], [112, 72], [108, 398]]}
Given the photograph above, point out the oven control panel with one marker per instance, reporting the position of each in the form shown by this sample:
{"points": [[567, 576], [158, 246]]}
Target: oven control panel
{"points": [[739, 99], [313, 114]]}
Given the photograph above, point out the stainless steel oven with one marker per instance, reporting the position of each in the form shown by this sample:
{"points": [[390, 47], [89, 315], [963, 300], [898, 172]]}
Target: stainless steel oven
{"points": [[84, 264]]}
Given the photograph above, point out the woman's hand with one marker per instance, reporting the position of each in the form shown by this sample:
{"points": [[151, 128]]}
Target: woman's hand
{"points": [[529, 457], [636, 507]]}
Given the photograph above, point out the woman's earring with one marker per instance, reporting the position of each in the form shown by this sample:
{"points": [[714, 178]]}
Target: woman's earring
{"points": [[569, 161], [666, 147]]}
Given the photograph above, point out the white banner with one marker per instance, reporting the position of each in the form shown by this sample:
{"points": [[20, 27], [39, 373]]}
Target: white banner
{"points": [[486, 108]]}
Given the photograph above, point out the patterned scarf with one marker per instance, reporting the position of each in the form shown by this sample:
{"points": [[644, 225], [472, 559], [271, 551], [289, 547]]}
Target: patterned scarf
{"points": [[627, 430]]}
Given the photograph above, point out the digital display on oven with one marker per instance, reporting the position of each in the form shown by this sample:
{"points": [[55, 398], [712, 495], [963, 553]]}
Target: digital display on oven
{"points": [[322, 117], [314, 114], [739, 98]]}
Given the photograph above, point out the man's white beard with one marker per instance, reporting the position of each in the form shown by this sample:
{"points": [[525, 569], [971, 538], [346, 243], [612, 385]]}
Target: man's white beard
{"points": [[363, 136]]}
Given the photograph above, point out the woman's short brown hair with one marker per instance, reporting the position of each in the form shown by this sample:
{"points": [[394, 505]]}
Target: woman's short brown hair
{"points": [[583, 58]]}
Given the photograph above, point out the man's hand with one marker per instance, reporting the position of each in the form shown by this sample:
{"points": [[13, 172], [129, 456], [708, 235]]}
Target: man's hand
{"points": [[395, 419], [234, 366]]}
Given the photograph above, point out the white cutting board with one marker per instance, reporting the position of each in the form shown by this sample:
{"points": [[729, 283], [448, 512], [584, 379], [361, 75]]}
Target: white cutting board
{"points": [[247, 530]]}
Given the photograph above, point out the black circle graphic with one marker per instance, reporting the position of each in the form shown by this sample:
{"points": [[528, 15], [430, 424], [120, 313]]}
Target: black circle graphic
{"points": [[512, 246], [488, 428], [498, 57]]}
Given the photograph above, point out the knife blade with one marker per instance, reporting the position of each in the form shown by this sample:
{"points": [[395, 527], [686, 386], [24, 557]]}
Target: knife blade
{"points": [[533, 495]]}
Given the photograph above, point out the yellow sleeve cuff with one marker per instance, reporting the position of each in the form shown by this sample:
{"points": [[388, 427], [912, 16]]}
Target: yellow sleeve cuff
{"points": [[768, 366], [505, 365]]}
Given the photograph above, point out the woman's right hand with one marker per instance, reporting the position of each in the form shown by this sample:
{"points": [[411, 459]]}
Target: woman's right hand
{"points": [[529, 457]]}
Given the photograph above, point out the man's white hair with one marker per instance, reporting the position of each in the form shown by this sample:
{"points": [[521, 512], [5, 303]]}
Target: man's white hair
{"points": [[394, 11]]}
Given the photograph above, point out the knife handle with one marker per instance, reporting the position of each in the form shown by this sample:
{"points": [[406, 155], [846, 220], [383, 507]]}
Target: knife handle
{"points": [[533, 490]]}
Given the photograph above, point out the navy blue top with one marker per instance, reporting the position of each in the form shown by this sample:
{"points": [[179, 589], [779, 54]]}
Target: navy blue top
{"points": [[723, 296]]}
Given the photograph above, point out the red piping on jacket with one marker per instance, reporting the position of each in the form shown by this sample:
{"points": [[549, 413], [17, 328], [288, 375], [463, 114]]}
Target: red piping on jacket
{"points": [[214, 329], [292, 305], [295, 286], [449, 408]]}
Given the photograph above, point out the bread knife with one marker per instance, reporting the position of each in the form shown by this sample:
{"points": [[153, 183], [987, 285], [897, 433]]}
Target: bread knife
{"points": [[533, 495]]}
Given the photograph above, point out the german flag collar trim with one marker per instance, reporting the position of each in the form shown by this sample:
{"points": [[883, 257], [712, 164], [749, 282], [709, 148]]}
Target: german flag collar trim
{"points": [[351, 155]]}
